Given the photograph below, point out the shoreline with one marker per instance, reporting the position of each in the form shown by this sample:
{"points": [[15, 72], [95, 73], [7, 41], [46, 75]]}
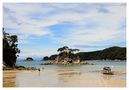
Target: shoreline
{"points": [[63, 76], [56, 62]]}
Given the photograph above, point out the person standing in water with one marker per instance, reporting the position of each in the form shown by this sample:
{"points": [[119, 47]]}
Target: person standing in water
{"points": [[39, 69]]}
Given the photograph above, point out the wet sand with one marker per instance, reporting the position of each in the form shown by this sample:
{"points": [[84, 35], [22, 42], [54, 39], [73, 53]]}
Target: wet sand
{"points": [[58, 78], [9, 77]]}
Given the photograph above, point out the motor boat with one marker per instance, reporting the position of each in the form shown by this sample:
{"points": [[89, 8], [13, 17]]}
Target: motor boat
{"points": [[107, 70]]}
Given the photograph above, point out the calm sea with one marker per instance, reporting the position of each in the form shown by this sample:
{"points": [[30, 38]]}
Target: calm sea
{"points": [[115, 65], [50, 75]]}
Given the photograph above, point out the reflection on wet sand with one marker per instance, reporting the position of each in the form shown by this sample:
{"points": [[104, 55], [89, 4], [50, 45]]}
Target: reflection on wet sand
{"points": [[61, 78], [65, 75], [9, 78], [68, 72], [107, 77]]}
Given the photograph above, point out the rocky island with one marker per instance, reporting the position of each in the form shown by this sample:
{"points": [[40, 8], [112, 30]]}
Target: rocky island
{"points": [[29, 59], [66, 56]]}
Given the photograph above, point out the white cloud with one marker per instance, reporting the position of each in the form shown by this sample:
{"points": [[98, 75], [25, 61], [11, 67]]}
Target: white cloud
{"points": [[99, 35], [17, 16], [22, 13], [35, 19], [107, 27], [37, 52]]}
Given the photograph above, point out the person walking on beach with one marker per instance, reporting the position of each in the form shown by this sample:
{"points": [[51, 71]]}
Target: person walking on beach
{"points": [[39, 69]]}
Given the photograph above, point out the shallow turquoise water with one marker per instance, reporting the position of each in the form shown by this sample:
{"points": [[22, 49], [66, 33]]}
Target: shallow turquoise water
{"points": [[115, 65], [50, 75]]}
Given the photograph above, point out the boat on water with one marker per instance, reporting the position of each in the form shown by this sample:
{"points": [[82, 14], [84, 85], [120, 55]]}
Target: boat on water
{"points": [[107, 70]]}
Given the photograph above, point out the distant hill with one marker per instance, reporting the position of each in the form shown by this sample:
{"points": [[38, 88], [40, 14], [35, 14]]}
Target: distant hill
{"points": [[111, 53]]}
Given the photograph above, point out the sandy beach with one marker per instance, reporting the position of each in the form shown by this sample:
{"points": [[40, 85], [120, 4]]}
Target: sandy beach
{"points": [[9, 77], [57, 78]]}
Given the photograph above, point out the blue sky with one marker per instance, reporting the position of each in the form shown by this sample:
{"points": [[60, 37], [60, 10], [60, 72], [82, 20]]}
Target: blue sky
{"points": [[44, 27]]}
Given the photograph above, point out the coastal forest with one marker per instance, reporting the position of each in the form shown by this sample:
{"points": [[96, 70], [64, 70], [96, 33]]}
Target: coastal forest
{"points": [[111, 53], [10, 49]]}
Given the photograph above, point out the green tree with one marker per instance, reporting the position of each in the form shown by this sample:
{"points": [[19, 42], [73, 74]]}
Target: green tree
{"points": [[10, 49], [65, 51]]}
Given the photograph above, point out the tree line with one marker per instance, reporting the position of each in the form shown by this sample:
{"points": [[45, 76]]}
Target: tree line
{"points": [[111, 53]]}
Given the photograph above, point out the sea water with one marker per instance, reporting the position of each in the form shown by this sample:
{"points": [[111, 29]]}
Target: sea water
{"points": [[98, 65], [50, 76]]}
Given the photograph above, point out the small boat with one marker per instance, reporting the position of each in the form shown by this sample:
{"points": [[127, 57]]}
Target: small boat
{"points": [[107, 70]]}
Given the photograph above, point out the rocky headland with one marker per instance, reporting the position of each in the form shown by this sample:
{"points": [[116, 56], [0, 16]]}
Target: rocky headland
{"points": [[66, 56]]}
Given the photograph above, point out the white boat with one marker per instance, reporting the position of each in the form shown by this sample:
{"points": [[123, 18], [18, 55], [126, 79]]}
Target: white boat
{"points": [[107, 70]]}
